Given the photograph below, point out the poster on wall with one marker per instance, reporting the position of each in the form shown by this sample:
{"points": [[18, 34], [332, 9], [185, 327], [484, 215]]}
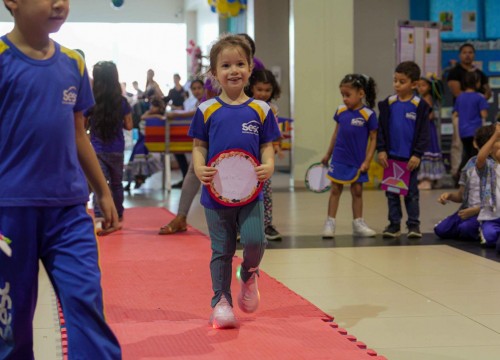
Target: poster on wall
{"points": [[432, 55], [494, 66], [407, 43], [469, 21], [494, 82], [420, 41], [446, 20]]}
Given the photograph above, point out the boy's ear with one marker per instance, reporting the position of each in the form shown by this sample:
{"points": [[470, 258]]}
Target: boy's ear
{"points": [[9, 4]]}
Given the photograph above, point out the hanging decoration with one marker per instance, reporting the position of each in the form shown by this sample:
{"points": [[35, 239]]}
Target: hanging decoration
{"points": [[194, 53], [228, 8], [117, 3]]}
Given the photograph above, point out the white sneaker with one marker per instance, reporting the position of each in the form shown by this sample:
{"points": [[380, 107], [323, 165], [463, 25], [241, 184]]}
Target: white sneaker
{"points": [[359, 228], [249, 296], [222, 315], [329, 228]]}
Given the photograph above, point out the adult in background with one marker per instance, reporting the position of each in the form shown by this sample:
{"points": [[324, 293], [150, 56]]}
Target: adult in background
{"points": [[456, 84], [153, 90], [176, 95]]}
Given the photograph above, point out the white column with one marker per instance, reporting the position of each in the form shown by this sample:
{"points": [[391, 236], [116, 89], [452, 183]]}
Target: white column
{"points": [[322, 51]]}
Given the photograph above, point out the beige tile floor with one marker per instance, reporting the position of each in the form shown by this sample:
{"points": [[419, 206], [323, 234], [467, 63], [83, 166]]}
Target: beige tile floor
{"points": [[406, 302]]}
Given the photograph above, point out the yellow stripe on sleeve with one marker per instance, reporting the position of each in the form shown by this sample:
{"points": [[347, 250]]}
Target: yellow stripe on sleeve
{"points": [[261, 108], [210, 110], [72, 54], [3, 46]]}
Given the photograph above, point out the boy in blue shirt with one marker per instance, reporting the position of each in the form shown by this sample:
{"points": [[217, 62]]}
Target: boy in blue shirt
{"points": [[45, 155], [471, 107], [403, 135]]}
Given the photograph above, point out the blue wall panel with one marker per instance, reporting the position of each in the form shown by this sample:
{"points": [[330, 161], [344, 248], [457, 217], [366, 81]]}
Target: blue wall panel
{"points": [[492, 19], [456, 7]]}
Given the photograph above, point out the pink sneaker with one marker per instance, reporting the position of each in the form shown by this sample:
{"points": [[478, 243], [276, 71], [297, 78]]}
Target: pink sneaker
{"points": [[222, 316], [249, 297]]}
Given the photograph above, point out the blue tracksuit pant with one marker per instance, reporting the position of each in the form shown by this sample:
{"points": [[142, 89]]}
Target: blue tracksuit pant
{"points": [[63, 239], [453, 227], [491, 232]]}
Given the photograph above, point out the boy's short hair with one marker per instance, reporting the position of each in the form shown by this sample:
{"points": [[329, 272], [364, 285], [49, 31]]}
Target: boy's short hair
{"points": [[470, 80], [410, 69], [483, 134]]}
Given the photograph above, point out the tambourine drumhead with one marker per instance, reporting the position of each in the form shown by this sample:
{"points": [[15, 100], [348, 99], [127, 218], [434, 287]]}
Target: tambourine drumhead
{"points": [[235, 183], [316, 179]]}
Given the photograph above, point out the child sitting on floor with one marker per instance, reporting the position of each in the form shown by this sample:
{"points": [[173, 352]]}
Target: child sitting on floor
{"points": [[463, 224], [489, 171]]}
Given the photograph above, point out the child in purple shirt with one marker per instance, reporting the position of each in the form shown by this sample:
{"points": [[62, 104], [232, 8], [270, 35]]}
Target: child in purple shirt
{"points": [[472, 109]]}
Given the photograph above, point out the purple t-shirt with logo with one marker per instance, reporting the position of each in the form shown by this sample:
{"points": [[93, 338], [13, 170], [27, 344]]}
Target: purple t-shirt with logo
{"points": [[402, 124], [246, 126], [352, 136], [39, 163]]}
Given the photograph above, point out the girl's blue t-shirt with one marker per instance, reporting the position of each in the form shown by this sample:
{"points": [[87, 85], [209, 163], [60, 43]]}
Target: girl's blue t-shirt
{"points": [[246, 126], [353, 133], [39, 164]]}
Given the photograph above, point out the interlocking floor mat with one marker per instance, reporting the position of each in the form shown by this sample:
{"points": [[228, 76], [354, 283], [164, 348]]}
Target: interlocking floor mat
{"points": [[157, 292]]}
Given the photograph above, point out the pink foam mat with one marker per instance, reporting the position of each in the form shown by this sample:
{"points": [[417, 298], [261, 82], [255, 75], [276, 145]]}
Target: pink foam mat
{"points": [[157, 293]]}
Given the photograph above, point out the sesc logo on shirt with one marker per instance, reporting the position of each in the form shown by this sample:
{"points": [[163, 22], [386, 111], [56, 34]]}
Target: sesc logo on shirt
{"points": [[69, 96], [358, 122], [6, 313], [411, 116], [251, 127]]}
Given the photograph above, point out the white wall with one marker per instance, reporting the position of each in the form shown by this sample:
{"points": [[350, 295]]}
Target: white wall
{"points": [[272, 29], [207, 28], [323, 43], [374, 34], [207, 24], [138, 11]]}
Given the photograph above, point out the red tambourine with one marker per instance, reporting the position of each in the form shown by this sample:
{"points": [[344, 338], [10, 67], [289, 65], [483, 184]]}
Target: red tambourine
{"points": [[236, 182]]}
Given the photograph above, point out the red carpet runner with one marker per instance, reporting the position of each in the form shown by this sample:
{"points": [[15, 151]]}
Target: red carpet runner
{"points": [[157, 292]]}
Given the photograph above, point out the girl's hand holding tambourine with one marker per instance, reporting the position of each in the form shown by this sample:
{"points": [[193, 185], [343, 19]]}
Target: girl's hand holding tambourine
{"points": [[264, 171], [205, 174]]}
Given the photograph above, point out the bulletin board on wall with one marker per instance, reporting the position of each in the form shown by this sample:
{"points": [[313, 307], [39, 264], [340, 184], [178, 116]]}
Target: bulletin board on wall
{"points": [[420, 41], [460, 19]]}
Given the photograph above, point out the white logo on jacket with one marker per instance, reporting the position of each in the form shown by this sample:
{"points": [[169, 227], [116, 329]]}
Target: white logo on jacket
{"points": [[70, 95], [251, 127]]}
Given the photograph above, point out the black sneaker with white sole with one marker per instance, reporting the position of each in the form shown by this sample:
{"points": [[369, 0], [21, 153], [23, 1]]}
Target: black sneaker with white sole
{"points": [[272, 233], [392, 231], [414, 232]]}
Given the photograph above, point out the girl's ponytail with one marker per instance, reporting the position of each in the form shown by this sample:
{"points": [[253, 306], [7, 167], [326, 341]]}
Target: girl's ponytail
{"points": [[370, 90]]}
